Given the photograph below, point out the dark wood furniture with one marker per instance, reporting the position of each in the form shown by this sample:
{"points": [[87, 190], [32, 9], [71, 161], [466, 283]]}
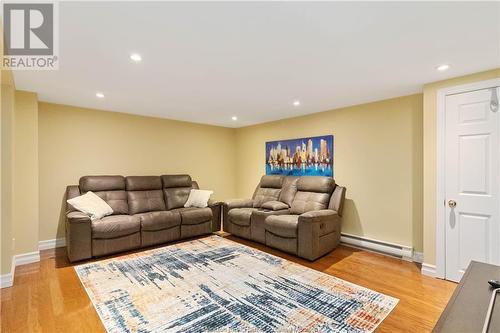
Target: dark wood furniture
{"points": [[467, 308]]}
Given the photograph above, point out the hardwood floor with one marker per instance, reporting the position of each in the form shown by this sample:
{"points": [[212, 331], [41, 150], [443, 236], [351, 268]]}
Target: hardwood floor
{"points": [[47, 296]]}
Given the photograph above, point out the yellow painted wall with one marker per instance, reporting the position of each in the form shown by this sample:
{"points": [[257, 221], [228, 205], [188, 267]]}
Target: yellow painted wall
{"points": [[74, 142], [384, 154], [19, 181], [7, 148], [25, 173], [378, 157], [430, 161]]}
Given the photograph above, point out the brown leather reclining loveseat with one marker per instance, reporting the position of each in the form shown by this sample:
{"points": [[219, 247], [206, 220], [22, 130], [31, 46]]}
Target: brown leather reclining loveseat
{"points": [[147, 210], [298, 215]]}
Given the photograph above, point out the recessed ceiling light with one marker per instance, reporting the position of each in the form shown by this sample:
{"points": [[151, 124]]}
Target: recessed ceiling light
{"points": [[296, 103], [443, 67], [234, 118], [100, 95], [136, 57]]}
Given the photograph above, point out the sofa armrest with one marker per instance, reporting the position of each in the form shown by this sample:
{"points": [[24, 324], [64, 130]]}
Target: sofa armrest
{"points": [[216, 207], [77, 217], [274, 205], [337, 200], [78, 236], [72, 191], [212, 202], [318, 215], [231, 204], [318, 233], [238, 203]]}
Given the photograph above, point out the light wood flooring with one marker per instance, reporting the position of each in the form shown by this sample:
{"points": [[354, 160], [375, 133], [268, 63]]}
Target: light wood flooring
{"points": [[47, 296]]}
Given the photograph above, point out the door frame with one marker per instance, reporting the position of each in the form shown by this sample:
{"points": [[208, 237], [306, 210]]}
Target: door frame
{"points": [[441, 163]]}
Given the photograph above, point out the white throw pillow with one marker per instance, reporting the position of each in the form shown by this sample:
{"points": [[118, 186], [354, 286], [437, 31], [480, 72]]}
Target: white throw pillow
{"points": [[92, 205], [198, 198]]}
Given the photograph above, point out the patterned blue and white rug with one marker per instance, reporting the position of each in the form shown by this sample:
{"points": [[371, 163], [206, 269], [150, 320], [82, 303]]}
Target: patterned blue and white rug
{"points": [[217, 285]]}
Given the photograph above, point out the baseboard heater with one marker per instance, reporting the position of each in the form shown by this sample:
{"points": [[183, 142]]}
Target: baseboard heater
{"points": [[395, 250]]}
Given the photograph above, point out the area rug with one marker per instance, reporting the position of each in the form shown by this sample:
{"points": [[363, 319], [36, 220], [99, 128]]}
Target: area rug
{"points": [[217, 285]]}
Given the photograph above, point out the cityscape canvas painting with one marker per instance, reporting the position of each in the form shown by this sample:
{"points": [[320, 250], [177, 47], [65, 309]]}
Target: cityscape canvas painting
{"points": [[300, 157]]}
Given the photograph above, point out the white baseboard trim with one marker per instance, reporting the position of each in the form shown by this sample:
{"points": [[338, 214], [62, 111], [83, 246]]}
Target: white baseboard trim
{"points": [[6, 280], [51, 243], [429, 270], [26, 258], [396, 250]]}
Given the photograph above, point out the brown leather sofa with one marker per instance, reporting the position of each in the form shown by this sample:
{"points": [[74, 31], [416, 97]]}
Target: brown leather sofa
{"points": [[298, 215], [147, 210]]}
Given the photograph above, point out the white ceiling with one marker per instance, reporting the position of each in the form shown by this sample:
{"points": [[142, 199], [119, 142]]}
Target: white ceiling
{"points": [[206, 62]]}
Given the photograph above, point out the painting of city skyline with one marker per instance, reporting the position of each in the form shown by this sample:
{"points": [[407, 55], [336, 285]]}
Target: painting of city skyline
{"points": [[311, 156]]}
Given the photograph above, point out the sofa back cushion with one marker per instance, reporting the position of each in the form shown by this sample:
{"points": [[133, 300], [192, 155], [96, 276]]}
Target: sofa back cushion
{"points": [[176, 190], [144, 194], [313, 193], [269, 189], [109, 188], [289, 189]]}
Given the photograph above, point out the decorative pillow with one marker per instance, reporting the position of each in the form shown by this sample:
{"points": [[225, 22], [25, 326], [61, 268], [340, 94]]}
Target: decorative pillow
{"points": [[92, 205], [198, 198]]}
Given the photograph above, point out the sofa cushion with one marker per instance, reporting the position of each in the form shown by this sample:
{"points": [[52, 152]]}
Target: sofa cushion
{"points": [[144, 194], [176, 189], [101, 183], [308, 201], [289, 189], [241, 216], [265, 194], [319, 184], [182, 209], [271, 181], [269, 189], [313, 193], [143, 183], [282, 225], [153, 221], [109, 188], [115, 226], [116, 199], [170, 181], [195, 215], [145, 201], [176, 197]]}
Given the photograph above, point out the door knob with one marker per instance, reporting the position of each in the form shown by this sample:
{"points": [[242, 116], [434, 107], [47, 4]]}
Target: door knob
{"points": [[452, 203]]}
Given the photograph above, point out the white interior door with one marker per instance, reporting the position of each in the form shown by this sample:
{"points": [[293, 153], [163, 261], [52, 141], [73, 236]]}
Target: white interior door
{"points": [[472, 178]]}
